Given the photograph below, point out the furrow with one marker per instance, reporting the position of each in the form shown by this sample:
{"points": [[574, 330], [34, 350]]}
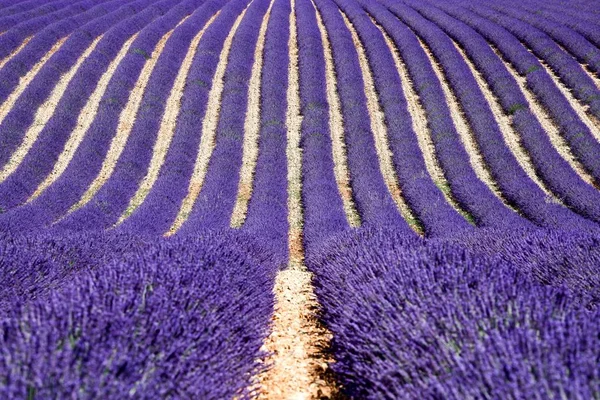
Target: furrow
{"points": [[84, 121], [126, 121], [336, 129], [511, 137], [251, 130], [293, 149], [380, 134], [209, 131], [167, 126], [43, 114], [548, 123], [296, 361], [419, 124], [464, 131], [590, 121], [27, 78], [15, 52]]}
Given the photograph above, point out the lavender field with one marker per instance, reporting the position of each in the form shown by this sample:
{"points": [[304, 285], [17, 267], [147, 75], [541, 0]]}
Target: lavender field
{"points": [[300, 199]]}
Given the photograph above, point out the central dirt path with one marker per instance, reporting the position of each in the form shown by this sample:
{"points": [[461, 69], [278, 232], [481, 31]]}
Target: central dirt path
{"points": [[298, 366]]}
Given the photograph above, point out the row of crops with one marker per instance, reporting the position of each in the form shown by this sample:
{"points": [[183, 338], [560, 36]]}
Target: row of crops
{"points": [[299, 199]]}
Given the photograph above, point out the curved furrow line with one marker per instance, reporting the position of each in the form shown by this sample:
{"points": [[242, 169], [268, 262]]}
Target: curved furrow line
{"points": [[44, 113], [12, 38], [208, 133], [336, 130], [84, 121], [581, 110], [425, 200], [465, 184], [421, 128], [579, 137], [87, 161], [214, 206], [380, 133], [7, 22], [167, 125], [511, 137], [160, 207], [550, 127], [467, 137], [372, 199], [126, 122], [578, 23], [567, 40], [26, 79], [558, 175], [252, 124], [25, 90], [76, 110], [518, 189], [44, 38], [15, 52], [323, 207]]}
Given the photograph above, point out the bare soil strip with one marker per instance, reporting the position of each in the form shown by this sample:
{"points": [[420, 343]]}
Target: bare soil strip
{"points": [[126, 122], [167, 126], [380, 134], [464, 130], [420, 127], [209, 132], [547, 123], [580, 109], [297, 366], [44, 113], [336, 129], [511, 137], [27, 78], [84, 121], [251, 130], [15, 52]]}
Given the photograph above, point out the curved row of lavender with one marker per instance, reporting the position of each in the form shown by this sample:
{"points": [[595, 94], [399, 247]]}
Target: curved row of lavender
{"points": [[498, 300], [109, 314], [480, 313]]}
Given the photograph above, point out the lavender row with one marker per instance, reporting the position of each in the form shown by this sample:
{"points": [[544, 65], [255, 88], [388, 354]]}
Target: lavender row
{"points": [[575, 43], [421, 194], [558, 59], [48, 30], [136, 321], [509, 175], [7, 20], [372, 198], [87, 160], [554, 170], [45, 151], [214, 205], [158, 211], [472, 194], [323, 210], [577, 135], [414, 319], [267, 210], [587, 15], [40, 158], [9, 7], [512, 180], [561, 15], [112, 199]]}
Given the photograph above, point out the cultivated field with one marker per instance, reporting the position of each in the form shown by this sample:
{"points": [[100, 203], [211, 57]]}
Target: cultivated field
{"points": [[300, 199]]}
